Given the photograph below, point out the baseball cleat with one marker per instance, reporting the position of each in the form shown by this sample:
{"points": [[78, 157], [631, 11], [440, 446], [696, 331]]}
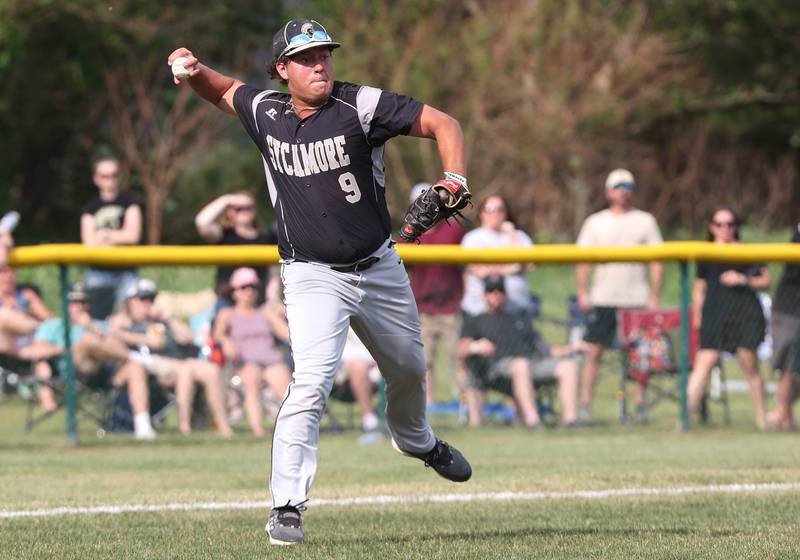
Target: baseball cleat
{"points": [[284, 526], [445, 459]]}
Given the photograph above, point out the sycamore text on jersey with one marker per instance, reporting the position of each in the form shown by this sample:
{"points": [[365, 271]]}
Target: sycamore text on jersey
{"points": [[301, 160]]}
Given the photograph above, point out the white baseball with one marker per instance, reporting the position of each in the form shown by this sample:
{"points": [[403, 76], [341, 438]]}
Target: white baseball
{"points": [[178, 70]]}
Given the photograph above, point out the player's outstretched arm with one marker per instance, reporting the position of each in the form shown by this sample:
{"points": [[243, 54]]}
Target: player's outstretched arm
{"points": [[209, 84], [432, 123]]}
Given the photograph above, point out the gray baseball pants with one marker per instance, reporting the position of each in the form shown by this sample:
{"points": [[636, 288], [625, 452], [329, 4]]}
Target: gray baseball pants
{"points": [[320, 305]]}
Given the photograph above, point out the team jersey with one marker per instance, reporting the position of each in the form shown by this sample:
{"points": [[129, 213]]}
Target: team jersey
{"points": [[325, 173]]}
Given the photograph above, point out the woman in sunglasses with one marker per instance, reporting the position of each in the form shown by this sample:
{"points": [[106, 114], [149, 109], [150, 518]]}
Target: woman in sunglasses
{"points": [[247, 334], [728, 313], [231, 219]]}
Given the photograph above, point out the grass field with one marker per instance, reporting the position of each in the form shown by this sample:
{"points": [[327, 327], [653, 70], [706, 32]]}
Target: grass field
{"points": [[39, 470]]}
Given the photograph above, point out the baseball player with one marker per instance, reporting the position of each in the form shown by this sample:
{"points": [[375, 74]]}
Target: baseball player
{"points": [[322, 147]]}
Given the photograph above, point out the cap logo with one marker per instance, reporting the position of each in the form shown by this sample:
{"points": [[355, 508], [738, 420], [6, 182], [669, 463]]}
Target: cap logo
{"points": [[307, 29]]}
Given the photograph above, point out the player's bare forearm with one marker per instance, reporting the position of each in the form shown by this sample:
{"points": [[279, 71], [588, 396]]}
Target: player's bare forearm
{"points": [[446, 130], [209, 84], [215, 88], [582, 278]]}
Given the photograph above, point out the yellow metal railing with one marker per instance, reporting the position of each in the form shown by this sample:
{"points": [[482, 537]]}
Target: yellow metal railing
{"points": [[164, 255]]}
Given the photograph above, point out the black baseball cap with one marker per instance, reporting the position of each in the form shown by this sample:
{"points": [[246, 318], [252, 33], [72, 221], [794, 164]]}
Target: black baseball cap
{"points": [[494, 284], [299, 35]]}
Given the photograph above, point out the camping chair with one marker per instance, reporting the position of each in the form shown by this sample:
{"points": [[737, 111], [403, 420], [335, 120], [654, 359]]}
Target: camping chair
{"points": [[649, 357]]}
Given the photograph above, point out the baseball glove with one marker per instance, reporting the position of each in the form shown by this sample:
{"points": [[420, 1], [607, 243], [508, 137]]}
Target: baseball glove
{"points": [[443, 200]]}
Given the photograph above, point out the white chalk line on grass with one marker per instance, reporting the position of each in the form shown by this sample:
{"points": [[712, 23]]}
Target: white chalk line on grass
{"points": [[425, 499]]}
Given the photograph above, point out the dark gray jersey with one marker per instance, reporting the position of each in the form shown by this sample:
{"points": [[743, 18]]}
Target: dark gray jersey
{"points": [[325, 173]]}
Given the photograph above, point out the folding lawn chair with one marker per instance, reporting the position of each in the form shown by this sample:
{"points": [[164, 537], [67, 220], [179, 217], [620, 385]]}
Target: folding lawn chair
{"points": [[649, 350]]}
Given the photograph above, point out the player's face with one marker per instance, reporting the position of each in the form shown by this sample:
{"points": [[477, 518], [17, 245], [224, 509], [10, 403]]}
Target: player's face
{"points": [[310, 75]]}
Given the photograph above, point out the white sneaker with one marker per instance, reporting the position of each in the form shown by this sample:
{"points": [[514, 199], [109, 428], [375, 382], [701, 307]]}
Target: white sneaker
{"points": [[145, 434], [370, 423]]}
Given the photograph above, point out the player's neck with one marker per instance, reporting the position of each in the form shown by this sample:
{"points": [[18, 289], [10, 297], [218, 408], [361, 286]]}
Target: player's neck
{"points": [[304, 108]]}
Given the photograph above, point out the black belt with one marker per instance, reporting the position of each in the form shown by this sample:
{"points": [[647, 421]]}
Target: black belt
{"points": [[358, 266]]}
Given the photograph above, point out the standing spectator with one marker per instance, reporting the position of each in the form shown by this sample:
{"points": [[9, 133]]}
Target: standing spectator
{"points": [[496, 229], [7, 224], [614, 285], [438, 291], [231, 219], [92, 347], [21, 312], [726, 309], [110, 219], [140, 326], [786, 344], [500, 345], [247, 333]]}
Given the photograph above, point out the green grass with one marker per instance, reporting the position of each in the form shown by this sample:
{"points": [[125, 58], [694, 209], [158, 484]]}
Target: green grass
{"points": [[39, 470]]}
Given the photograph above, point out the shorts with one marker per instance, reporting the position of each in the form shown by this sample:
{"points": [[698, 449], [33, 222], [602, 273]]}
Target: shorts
{"points": [[440, 331], [601, 326], [785, 342], [497, 374], [729, 328]]}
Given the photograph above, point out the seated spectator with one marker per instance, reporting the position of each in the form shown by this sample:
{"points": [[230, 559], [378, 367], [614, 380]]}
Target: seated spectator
{"points": [[729, 315], [786, 345], [7, 225], [141, 327], [496, 229], [357, 366], [247, 334], [231, 219], [112, 218], [92, 348], [21, 312], [498, 347]]}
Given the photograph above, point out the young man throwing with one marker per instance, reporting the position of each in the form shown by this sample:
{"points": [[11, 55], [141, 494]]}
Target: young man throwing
{"points": [[322, 146]]}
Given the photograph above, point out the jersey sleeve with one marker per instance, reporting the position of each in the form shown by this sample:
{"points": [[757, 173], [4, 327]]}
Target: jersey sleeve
{"points": [[702, 271], [653, 234], [245, 100], [586, 236], [385, 115]]}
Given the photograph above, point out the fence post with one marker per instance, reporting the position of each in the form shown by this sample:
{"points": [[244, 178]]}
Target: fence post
{"points": [[684, 365], [69, 369]]}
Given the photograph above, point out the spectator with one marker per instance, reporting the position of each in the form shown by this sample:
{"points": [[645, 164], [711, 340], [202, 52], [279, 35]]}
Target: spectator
{"points": [[231, 220], [357, 365], [726, 309], [92, 347], [141, 327], [614, 285], [21, 312], [496, 229], [786, 344], [7, 224], [110, 219], [438, 291], [247, 333], [499, 344]]}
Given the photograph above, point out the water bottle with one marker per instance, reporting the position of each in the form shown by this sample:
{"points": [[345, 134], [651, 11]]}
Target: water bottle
{"points": [[9, 222]]}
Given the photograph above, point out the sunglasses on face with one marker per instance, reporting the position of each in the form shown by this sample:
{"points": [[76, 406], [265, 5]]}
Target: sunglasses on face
{"points": [[627, 187]]}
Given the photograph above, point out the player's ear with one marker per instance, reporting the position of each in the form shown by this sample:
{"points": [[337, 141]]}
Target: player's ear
{"points": [[280, 68]]}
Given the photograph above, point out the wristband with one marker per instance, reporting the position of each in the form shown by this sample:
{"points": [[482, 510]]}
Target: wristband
{"points": [[473, 347], [456, 177]]}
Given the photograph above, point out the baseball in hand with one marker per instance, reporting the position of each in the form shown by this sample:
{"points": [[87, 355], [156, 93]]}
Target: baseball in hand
{"points": [[178, 70]]}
